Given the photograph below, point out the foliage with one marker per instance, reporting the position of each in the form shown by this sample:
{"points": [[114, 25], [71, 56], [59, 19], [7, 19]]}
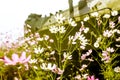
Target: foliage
{"points": [[36, 21]]}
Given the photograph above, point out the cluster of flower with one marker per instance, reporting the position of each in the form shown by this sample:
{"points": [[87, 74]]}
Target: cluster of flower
{"points": [[46, 53]]}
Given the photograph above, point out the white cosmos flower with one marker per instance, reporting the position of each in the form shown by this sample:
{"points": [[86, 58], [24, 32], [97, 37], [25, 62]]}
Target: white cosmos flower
{"points": [[110, 49], [39, 39], [77, 35], [62, 29], [32, 61], [35, 67], [52, 53], [106, 16], [51, 66], [118, 39], [51, 40], [86, 30], [38, 50], [73, 42], [48, 66], [117, 69], [82, 47], [72, 22], [115, 30], [111, 24], [107, 33], [59, 18], [117, 45], [96, 44], [94, 14], [81, 37], [46, 37], [70, 38], [84, 42], [78, 77], [118, 31], [48, 47], [86, 18], [44, 66], [67, 56], [54, 29], [114, 13], [83, 67], [98, 39], [85, 76]]}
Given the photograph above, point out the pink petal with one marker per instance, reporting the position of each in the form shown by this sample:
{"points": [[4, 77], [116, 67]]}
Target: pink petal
{"points": [[88, 78], [92, 78], [23, 56], [27, 59], [15, 58], [60, 71], [8, 61]]}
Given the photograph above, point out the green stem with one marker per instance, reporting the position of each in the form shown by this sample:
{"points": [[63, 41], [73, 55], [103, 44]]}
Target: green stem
{"points": [[94, 57], [36, 73], [1, 77], [19, 75], [60, 60], [59, 48], [64, 37], [92, 24]]}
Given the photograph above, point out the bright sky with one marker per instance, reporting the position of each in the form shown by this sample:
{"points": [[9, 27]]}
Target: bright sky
{"points": [[13, 13]]}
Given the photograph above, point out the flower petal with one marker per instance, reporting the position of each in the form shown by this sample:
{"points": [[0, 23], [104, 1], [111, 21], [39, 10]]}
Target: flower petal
{"points": [[92, 78], [88, 78], [27, 59], [23, 56], [8, 61], [15, 58]]}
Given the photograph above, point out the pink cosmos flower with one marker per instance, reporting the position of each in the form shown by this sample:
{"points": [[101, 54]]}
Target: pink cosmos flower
{"points": [[83, 57], [16, 59], [105, 56], [57, 70], [91, 78]]}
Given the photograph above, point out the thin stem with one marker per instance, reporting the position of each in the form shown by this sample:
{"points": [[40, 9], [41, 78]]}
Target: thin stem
{"points": [[67, 34], [36, 73], [1, 77], [59, 49], [19, 75], [94, 57]]}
